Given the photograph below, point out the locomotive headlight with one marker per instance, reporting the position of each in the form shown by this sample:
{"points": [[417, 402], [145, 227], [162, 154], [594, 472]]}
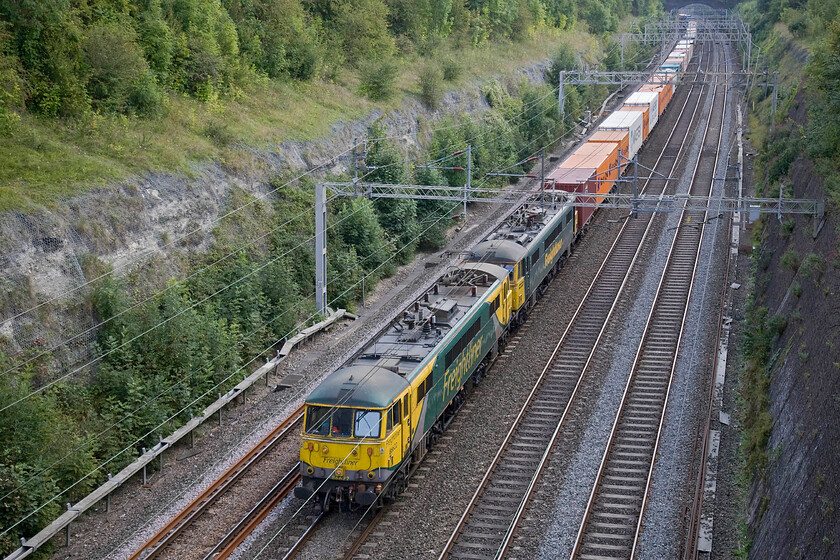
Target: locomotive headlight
{"points": [[325, 450], [339, 471]]}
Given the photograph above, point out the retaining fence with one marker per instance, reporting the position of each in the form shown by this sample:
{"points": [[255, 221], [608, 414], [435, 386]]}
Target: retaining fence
{"points": [[28, 546]]}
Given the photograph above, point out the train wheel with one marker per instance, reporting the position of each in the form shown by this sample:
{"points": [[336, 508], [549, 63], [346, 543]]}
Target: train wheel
{"points": [[325, 502], [399, 485]]}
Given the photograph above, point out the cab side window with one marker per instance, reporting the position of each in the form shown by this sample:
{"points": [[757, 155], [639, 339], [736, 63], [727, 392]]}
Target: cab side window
{"points": [[394, 417]]}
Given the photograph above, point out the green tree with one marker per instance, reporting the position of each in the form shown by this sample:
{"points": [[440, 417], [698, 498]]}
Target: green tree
{"points": [[48, 38], [824, 69], [362, 26], [432, 215], [358, 226], [117, 69], [398, 217]]}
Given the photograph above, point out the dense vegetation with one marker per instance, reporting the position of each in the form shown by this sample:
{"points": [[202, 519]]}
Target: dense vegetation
{"points": [[801, 41], [72, 56], [789, 31]]}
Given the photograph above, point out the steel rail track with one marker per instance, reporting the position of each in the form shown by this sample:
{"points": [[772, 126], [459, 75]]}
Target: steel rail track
{"points": [[487, 525], [692, 515], [360, 540], [177, 525], [295, 549], [225, 547], [612, 521]]}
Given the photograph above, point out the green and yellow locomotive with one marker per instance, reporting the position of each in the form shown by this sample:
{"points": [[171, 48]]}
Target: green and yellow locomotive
{"points": [[368, 422]]}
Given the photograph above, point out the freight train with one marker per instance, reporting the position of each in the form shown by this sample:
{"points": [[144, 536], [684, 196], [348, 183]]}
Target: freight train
{"points": [[371, 420]]}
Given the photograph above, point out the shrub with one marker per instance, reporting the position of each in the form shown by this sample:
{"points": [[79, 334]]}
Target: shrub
{"points": [[787, 228], [431, 85], [115, 62], [219, 133], [362, 26], [377, 78], [145, 97], [790, 260], [777, 325], [451, 69], [813, 265]]}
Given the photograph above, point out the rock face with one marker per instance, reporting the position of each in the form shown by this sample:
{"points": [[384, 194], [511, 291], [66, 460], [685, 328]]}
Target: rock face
{"points": [[793, 510], [145, 217]]}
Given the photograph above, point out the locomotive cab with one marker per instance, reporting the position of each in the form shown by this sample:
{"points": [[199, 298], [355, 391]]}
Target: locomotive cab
{"points": [[353, 436]]}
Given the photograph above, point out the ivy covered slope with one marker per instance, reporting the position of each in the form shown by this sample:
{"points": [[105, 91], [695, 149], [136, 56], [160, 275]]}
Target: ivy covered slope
{"points": [[93, 90], [790, 383]]}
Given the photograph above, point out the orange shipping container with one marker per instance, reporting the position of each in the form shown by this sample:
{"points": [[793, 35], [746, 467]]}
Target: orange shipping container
{"points": [[600, 156], [665, 92], [645, 119], [621, 137]]}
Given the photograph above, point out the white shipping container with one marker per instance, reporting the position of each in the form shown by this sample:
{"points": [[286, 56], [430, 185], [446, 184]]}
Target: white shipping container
{"points": [[686, 46], [632, 121], [679, 55], [648, 99]]}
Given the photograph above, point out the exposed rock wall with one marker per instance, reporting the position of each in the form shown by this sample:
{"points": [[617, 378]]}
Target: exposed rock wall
{"points": [[793, 510]]}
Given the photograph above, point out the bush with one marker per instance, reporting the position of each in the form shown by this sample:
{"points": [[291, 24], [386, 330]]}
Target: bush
{"points": [[813, 265], [116, 63], [219, 133], [145, 97], [362, 26], [452, 69], [431, 85], [790, 260], [377, 78]]}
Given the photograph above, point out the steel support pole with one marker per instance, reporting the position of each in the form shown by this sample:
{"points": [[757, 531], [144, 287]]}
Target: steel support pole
{"points": [[355, 167], [469, 178], [623, 37], [635, 214], [561, 95], [542, 175], [321, 248], [108, 497]]}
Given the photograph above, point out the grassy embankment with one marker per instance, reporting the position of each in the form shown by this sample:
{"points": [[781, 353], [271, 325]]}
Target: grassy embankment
{"points": [[48, 159]]}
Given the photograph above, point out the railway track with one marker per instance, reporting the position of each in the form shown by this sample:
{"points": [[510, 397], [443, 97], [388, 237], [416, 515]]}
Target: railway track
{"points": [[176, 535], [487, 525], [612, 521]]}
